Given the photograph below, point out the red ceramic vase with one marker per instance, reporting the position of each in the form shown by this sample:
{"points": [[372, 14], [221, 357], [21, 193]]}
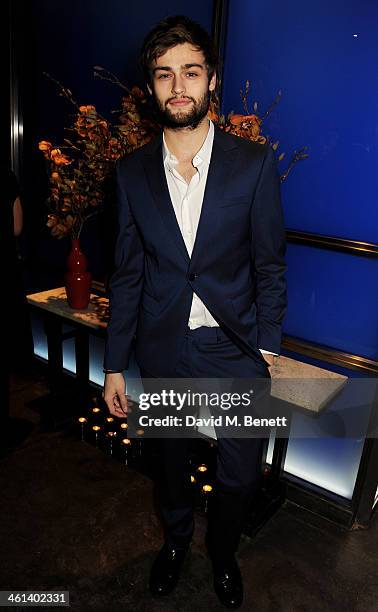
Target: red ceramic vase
{"points": [[77, 279]]}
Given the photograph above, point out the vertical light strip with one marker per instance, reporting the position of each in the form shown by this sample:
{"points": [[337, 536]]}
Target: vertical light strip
{"points": [[16, 116]]}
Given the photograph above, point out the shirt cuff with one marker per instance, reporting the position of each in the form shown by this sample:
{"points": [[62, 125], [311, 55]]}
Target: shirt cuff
{"points": [[267, 352]]}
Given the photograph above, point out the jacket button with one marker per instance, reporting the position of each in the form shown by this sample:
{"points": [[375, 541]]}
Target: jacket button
{"points": [[192, 276]]}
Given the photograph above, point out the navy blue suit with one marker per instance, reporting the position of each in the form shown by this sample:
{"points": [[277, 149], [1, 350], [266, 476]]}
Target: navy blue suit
{"points": [[237, 265], [237, 269]]}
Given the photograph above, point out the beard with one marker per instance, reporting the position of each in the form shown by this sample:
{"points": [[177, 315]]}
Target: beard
{"points": [[185, 118]]}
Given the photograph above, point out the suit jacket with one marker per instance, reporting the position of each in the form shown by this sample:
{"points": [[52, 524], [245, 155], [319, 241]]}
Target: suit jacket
{"points": [[237, 267]]}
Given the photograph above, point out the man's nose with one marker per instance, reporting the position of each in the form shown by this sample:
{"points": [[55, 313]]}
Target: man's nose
{"points": [[178, 86]]}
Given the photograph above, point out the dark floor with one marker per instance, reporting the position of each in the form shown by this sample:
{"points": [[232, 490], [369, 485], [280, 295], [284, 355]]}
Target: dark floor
{"points": [[75, 519]]}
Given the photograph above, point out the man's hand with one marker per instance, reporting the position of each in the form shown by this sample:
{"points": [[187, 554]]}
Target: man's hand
{"points": [[114, 394]]}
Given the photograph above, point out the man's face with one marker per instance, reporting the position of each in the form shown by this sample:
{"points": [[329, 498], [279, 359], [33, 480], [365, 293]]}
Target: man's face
{"points": [[180, 87]]}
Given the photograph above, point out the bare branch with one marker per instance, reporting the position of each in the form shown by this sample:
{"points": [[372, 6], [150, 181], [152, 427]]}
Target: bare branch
{"points": [[63, 91], [275, 102], [106, 75], [297, 156]]}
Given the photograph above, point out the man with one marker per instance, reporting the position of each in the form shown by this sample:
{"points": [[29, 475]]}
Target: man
{"points": [[199, 279]]}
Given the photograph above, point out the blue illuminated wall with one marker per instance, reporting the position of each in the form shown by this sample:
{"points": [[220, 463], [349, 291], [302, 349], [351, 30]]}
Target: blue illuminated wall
{"points": [[323, 57], [333, 298]]}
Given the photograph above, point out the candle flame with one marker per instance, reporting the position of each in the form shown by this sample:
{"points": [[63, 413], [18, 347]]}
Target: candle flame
{"points": [[202, 468]]}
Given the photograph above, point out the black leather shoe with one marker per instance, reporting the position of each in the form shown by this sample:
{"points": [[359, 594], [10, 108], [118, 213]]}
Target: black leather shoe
{"points": [[228, 584], [166, 569]]}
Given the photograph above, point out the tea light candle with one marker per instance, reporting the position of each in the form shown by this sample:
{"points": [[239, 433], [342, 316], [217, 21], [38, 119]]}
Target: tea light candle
{"points": [[206, 490], [111, 435], [82, 421], [126, 442], [202, 468], [96, 429], [139, 432]]}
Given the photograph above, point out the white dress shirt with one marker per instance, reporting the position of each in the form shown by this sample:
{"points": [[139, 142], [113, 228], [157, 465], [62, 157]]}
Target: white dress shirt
{"points": [[187, 203]]}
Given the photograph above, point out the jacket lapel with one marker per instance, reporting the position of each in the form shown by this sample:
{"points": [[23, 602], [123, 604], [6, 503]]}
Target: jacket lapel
{"points": [[155, 173], [222, 159]]}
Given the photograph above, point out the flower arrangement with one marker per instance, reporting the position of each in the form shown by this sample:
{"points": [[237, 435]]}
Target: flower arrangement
{"points": [[79, 169], [249, 126]]}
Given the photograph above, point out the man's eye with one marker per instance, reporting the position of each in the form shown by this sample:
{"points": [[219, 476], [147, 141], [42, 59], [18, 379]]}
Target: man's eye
{"points": [[162, 76], [192, 74]]}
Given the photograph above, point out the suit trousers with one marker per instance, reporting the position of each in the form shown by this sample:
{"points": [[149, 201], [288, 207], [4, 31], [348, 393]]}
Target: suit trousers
{"points": [[207, 352]]}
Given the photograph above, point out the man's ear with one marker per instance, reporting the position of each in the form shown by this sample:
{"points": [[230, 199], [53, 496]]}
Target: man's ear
{"points": [[213, 82]]}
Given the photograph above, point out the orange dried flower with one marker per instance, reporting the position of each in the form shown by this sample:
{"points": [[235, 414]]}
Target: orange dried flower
{"points": [[45, 147], [59, 158], [55, 177], [88, 109]]}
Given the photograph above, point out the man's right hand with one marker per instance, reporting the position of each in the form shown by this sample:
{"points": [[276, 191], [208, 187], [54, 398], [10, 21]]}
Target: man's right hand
{"points": [[114, 394]]}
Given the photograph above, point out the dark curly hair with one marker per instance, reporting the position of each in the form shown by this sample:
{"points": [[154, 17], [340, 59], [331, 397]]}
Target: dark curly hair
{"points": [[173, 31]]}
